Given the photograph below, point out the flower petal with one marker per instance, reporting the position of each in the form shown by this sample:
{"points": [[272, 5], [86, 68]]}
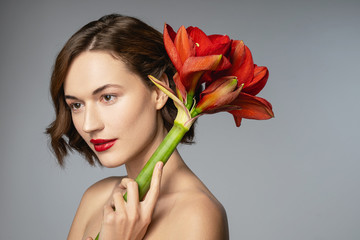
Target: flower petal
{"points": [[221, 92], [224, 82], [180, 88], [184, 45], [223, 43], [251, 107], [242, 63], [209, 45], [261, 75], [178, 103], [183, 116], [169, 36], [193, 69], [201, 40], [170, 31], [210, 76], [220, 45]]}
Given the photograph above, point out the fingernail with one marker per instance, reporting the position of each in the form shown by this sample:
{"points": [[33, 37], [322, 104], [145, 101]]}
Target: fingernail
{"points": [[160, 165]]}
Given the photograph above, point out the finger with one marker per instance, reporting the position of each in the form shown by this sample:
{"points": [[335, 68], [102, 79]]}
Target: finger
{"points": [[108, 209], [154, 190], [118, 199], [132, 204], [124, 182], [89, 238], [133, 194]]}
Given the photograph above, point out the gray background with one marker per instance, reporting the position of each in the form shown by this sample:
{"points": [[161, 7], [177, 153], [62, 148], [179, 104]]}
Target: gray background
{"points": [[292, 177]]}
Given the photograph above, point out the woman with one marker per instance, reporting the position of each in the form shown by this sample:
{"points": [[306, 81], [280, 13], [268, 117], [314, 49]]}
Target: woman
{"points": [[108, 110]]}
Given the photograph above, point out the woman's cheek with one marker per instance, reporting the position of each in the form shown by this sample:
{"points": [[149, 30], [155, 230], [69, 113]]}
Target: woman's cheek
{"points": [[76, 119]]}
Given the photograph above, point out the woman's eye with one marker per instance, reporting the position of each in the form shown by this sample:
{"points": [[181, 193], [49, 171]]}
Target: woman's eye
{"points": [[75, 106], [108, 97]]}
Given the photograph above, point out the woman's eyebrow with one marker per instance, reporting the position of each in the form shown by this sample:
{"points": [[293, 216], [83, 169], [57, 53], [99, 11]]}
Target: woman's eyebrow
{"points": [[70, 97], [100, 89], [96, 91]]}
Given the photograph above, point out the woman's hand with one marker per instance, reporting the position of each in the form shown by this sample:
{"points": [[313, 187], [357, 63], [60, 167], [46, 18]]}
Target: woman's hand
{"points": [[130, 219]]}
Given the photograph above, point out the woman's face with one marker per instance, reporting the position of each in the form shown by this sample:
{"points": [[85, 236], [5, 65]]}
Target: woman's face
{"points": [[112, 109]]}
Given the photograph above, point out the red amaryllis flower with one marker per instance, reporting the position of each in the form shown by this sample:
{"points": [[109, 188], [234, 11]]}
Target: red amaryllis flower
{"points": [[193, 53], [232, 80], [253, 78]]}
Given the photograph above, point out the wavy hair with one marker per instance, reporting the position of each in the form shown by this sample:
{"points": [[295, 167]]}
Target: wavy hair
{"points": [[141, 48]]}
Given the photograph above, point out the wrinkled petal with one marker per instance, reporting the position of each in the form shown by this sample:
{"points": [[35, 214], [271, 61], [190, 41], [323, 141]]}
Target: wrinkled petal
{"points": [[251, 107]]}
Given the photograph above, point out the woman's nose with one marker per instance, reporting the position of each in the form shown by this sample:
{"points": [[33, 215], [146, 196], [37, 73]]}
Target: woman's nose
{"points": [[93, 121]]}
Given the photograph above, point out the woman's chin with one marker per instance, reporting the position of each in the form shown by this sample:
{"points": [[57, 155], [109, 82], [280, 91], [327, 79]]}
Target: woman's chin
{"points": [[110, 163]]}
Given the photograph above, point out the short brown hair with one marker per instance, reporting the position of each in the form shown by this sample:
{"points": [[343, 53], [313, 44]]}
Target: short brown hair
{"points": [[142, 49]]}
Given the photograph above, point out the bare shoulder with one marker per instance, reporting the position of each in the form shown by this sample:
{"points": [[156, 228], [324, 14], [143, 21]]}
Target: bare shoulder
{"points": [[91, 203], [100, 187], [200, 216]]}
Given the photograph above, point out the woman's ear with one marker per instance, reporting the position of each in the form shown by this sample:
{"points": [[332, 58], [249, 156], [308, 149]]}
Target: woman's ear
{"points": [[161, 97]]}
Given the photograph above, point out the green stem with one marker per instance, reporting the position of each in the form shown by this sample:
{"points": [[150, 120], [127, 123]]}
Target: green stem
{"points": [[194, 112], [162, 153], [189, 100]]}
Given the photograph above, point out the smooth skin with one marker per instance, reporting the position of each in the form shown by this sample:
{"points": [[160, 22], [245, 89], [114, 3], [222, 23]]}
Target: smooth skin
{"points": [[130, 219], [110, 102]]}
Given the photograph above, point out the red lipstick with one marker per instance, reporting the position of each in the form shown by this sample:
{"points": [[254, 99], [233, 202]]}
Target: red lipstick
{"points": [[101, 145]]}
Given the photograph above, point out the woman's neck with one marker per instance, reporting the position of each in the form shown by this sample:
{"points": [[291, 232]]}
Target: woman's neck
{"points": [[136, 164], [172, 166]]}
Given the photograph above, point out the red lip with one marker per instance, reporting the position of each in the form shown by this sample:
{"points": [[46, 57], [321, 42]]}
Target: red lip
{"points": [[101, 145]]}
